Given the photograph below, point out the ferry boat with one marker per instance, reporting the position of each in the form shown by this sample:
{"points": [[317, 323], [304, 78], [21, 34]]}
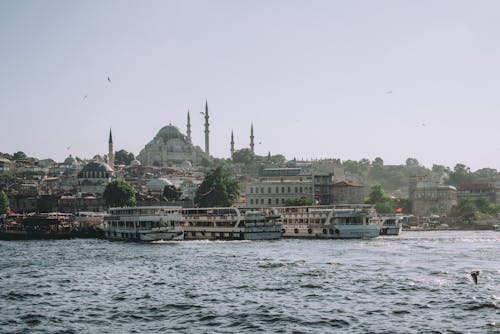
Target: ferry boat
{"points": [[230, 223], [53, 225], [144, 223], [328, 222], [391, 225]]}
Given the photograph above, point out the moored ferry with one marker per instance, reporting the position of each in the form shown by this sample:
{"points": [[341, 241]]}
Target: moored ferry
{"points": [[328, 222], [53, 225], [144, 223], [391, 225], [230, 223]]}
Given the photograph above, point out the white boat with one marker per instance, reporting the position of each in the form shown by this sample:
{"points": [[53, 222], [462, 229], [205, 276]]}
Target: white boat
{"points": [[333, 222], [145, 223], [230, 223], [391, 225]]}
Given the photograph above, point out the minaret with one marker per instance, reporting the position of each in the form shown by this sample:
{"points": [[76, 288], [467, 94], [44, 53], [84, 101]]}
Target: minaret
{"points": [[232, 144], [188, 132], [251, 139], [111, 154], [207, 146]]}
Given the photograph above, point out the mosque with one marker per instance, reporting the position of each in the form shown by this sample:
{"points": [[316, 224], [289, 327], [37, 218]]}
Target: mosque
{"points": [[170, 147]]}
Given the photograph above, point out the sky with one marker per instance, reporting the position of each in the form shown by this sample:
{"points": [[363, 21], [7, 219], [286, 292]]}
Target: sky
{"points": [[317, 79]]}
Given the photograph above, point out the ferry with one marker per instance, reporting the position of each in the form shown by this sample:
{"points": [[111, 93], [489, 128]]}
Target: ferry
{"points": [[230, 223], [144, 223], [328, 222], [53, 225], [391, 225]]}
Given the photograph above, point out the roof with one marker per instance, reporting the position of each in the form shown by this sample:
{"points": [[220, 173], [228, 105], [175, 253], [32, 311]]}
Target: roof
{"points": [[347, 184]]}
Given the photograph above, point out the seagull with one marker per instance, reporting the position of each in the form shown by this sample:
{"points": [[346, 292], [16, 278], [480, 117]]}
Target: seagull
{"points": [[109, 80], [474, 274]]}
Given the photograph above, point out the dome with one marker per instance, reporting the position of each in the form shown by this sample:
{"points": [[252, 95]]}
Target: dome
{"points": [[186, 165], [97, 166], [169, 132], [70, 161], [135, 162], [157, 185]]}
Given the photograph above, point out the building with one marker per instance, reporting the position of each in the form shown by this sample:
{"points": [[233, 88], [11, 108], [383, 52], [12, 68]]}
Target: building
{"points": [[430, 198], [168, 148], [276, 186], [486, 190], [347, 192], [94, 177]]}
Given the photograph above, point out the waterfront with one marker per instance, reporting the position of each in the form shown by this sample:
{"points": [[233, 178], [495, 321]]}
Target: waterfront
{"points": [[415, 283]]}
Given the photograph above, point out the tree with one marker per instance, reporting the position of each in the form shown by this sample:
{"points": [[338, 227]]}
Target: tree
{"points": [[298, 202], [382, 201], [19, 156], [461, 174], [244, 156], [172, 193], [4, 203], [119, 193], [218, 188], [123, 157]]}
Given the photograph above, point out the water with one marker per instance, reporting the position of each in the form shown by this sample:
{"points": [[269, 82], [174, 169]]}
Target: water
{"points": [[415, 283]]}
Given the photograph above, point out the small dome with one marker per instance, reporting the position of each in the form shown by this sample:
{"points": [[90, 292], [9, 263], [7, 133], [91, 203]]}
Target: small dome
{"points": [[70, 161], [97, 166], [157, 185], [135, 162], [186, 165]]}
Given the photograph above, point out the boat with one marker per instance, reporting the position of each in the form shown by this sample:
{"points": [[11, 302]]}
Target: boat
{"points": [[53, 225], [328, 222], [230, 223], [144, 223], [391, 225]]}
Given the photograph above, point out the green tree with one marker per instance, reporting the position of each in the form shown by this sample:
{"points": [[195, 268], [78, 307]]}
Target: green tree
{"points": [[172, 193], [4, 203], [218, 188], [119, 193], [461, 174], [123, 157], [298, 202], [19, 156], [383, 202], [244, 156]]}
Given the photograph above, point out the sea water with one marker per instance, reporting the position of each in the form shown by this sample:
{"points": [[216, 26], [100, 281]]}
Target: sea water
{"points": [[417, 282]]}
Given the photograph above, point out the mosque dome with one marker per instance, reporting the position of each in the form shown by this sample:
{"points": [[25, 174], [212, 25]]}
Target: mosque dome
{"points": [[169, 132], [187, 166], [96, 169], [157, 185], [135, 163], [70, 161]]}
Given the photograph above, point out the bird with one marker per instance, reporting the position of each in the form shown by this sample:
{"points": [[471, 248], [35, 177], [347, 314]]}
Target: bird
{"points": [[85, 97], [68, 147], [389, 92], [202, 113], [474, 274], [109, 79]]}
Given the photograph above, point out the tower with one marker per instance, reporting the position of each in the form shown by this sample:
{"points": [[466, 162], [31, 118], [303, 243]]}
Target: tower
{"points": [[111, 154], [251, 139], [188, 131], [232, 144], [207, 146]]}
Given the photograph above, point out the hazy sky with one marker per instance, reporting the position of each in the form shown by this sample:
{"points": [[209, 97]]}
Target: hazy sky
{"points": [[318, 79]]}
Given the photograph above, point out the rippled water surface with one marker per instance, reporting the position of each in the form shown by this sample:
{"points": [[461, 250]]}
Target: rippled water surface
{"points": [[415, 283]]}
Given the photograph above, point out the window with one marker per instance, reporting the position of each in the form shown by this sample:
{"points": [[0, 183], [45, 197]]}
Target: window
{"points": [[251, 190], [289, 189], [251, 200], [277, 201], [282, 189], [269, 190], [269, 201], [277, 189], [261, 201], [256, 190]]}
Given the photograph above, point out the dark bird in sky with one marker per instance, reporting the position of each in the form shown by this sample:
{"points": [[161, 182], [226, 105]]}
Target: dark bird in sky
{"points": [[109, 79], [85, 97], [389, 92], [474, 274], [68, 147]]}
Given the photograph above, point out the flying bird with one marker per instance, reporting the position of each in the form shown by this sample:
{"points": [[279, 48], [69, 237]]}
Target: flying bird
{"points": [[109, 79], [474, 274], [68, 147], [85, 97], [389, 92]]}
